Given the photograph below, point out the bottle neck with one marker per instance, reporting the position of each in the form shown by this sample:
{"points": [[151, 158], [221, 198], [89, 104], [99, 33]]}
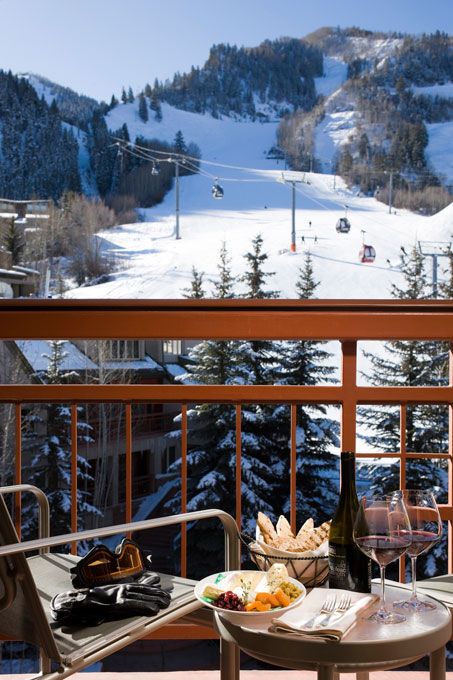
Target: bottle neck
{"points": [[348, 474]]}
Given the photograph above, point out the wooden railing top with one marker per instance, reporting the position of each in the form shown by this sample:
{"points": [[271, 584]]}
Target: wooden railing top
{"points": [[227, 319]]}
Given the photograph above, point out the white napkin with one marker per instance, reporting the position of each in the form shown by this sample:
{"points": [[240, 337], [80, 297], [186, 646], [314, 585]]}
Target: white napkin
{"points": [[294, 620]]}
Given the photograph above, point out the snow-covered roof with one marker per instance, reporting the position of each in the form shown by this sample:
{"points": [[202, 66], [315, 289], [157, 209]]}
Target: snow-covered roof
{"points": [[25, 270], [34, 352], [175, 370], [12, 274], [146, 364]]}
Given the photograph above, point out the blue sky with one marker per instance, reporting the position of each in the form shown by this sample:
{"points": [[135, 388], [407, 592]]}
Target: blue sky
{"points": [[97, 46]]}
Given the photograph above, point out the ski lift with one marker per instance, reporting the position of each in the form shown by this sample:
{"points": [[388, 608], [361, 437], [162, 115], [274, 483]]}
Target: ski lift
{"points": [[367, 252], [343, 224], [217, 191], [155, 169]]}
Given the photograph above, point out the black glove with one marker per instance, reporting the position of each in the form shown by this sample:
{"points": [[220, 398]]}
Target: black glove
{"points": [[94, 605]]}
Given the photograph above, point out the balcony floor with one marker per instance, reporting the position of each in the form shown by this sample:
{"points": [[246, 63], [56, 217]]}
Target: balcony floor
{"points": [[245, 675]]}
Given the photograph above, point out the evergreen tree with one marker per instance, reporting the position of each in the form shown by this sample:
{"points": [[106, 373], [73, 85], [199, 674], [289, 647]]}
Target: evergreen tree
{"points": [[211, 457], [224, 286], [130, 95], [148, 91], [195, 290], [14, 241], [179, 144], [305, 362], [123, 96], [156, 107], [51, 461], [102, 153], [113, 102], [262, 442], [158, 115], [261, 352], [142, 108]]}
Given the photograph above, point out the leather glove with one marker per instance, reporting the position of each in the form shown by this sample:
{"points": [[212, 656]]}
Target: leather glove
{"points": [[91, 606]]}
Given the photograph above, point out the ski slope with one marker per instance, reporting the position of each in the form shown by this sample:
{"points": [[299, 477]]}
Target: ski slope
{"points": [[153, 264]]}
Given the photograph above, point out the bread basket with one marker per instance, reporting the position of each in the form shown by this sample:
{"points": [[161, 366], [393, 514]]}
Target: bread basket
{"points": [[311, 569]]}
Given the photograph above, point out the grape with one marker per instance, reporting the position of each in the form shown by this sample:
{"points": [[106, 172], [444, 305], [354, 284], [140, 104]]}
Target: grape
{"points": [[229, 601]]}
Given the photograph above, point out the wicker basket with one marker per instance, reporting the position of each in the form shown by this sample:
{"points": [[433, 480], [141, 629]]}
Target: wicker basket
{"points": [[311, 571]]}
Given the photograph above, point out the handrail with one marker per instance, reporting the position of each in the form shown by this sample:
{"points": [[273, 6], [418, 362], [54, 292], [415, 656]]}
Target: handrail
{"points": [[227, 319], [43, 508], [229, 526]]}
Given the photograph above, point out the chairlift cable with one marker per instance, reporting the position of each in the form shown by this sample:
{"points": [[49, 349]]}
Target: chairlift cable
{"points": [[193, 164]]}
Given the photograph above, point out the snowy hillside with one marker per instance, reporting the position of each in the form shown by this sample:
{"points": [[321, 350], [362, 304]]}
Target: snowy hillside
{"points": [[153, 264]]}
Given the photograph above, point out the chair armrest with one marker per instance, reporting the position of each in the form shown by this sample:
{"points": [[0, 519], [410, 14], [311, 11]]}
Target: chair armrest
{"points": [[228, 522]]}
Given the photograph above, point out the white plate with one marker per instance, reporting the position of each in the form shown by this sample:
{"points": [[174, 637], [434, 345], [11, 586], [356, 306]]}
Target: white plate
{"points": [[223, 578]]}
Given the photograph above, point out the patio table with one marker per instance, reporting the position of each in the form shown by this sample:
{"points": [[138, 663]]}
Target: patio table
{"points": [[369, 646]]}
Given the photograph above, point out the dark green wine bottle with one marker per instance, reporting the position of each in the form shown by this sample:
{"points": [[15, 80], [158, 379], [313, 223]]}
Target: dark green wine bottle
{"points": [[349, 568]]}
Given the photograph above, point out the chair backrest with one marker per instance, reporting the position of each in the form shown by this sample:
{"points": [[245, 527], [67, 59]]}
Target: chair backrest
{"points": [[22, 616]]}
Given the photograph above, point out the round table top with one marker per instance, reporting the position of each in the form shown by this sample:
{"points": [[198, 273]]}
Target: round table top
{"points": [[367, 643]]}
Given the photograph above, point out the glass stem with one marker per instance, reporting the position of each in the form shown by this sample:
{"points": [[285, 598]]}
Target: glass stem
{"points": [[382, 588], [414, 578]]}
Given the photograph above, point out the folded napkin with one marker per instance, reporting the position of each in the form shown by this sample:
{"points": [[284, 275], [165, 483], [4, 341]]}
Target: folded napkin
{"points": [[295, 620]]}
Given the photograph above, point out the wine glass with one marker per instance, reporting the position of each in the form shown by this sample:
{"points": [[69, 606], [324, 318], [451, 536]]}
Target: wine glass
{"points": [[383, 532], [426, 526]]}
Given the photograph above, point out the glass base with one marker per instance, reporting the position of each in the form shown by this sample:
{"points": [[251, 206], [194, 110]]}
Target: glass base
{"points": [[385, 616], [414, 604]]}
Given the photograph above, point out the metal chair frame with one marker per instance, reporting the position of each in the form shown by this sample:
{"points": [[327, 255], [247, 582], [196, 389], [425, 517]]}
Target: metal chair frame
{"points": [[28, 584]]}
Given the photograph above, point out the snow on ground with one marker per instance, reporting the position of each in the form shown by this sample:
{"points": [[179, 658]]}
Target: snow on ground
{"points": [[335, 71], [331, 134], [445, 90], [370, 48], [153, 264], [42, 90], [439, 151], [223, 140]]}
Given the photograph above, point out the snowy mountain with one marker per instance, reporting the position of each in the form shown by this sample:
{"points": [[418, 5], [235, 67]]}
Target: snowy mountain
{"points": [[76, 109], [348, 100], [153, 264]]}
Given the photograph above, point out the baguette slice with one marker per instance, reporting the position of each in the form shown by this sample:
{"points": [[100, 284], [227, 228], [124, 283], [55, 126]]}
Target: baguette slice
{"points": [[283, 528], [306, 527], [267, 528]]}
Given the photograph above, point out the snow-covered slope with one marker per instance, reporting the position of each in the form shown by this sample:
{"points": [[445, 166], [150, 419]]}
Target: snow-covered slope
{"points": [[153, 264]]}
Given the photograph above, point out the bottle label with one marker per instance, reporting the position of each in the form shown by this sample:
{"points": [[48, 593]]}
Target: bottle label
{"points": [[349, 568]]}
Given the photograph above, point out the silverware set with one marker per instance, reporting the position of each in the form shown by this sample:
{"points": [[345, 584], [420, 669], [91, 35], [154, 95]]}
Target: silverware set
{"points": [[330, 609]]}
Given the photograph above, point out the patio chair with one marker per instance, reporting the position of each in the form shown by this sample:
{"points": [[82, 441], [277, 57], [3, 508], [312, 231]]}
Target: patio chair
{"points": [[28, 585]]}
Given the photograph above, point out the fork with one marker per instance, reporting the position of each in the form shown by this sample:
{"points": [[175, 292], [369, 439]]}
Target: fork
{"points": [[343, 606], [327, 608]]}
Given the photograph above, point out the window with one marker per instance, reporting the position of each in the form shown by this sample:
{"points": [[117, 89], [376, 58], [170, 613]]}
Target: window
{"points": [[124, 350], [172, 347]]}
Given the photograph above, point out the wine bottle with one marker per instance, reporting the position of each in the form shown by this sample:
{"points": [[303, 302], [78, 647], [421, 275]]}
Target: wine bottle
{"points": [[349, 568]]}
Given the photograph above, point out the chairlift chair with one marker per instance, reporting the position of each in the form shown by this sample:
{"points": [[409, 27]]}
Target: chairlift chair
{"points": [[155, 169], [343, 225], [217, 190], [367, 253]]}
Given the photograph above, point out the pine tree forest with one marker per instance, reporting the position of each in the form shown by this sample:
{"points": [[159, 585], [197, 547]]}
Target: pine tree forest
{"points": [[265, 428]]}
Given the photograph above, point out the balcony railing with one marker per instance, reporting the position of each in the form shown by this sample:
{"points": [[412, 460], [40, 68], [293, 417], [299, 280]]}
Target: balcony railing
{"points": [[346, 321]]}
